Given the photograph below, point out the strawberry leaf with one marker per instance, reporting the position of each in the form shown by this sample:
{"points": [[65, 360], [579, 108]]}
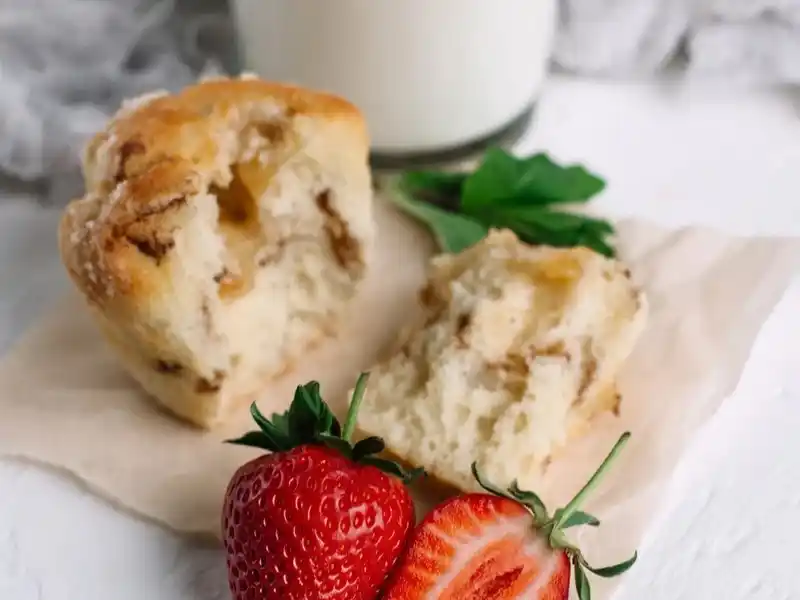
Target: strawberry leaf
{"points": [[263, 422], [613, 570], [367, 446], [413, 475], [275, 434], [313, 398], [486, 485], [255, 439], [579, 518], [305, 411], [326, 420], [393, 468], [531, 500], [336, 443], [581, 581], [279, 421]]}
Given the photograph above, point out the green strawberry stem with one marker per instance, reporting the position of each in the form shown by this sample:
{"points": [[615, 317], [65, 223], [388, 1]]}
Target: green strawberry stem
{"points": [[569, 516], [594, 480], [355, 406]]}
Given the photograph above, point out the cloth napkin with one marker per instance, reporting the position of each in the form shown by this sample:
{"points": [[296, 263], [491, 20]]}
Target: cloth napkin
{"points": [[65, 65], [751, 41]]}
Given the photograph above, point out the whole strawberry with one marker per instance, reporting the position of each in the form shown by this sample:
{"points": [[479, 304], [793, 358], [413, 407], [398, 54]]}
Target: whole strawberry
{"points": [[502, 545], [320, 517]]}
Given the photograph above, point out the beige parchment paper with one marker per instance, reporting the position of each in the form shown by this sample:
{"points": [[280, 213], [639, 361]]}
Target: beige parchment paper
{"points": [[65, 403]]}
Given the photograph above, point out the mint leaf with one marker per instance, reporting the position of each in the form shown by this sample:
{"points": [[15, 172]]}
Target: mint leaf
{"points": [[547, 218], [440, 188], [504, 179], [540, 225], [599, 245], [452, 232], [505, 192], [440, 183]]}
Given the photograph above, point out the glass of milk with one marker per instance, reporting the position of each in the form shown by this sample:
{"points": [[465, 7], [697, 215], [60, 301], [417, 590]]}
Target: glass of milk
{"points": [[438, 80]]}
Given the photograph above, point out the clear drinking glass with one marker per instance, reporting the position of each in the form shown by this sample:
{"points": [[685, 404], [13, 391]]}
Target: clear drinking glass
{"points": [[438, 80]]}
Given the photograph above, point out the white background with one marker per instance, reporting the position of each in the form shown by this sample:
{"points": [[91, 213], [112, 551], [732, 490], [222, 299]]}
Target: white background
{"points": [[727, 529]]}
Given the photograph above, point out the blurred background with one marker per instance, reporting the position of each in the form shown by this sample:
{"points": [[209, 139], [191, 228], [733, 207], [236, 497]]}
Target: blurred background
{"points": [[432, 76], [66, 65]]}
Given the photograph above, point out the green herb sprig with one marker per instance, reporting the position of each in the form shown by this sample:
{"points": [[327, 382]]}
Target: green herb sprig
{"points": [[524, 194]]}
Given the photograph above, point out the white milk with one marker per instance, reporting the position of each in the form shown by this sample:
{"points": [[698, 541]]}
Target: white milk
{"points": [[428, 74]]}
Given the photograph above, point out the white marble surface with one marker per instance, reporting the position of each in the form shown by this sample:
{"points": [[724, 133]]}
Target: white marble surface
{"points": [[728, 527]]}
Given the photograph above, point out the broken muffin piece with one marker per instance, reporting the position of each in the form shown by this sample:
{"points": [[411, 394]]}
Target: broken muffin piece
{"points": [[518, 349], [224, 229]]}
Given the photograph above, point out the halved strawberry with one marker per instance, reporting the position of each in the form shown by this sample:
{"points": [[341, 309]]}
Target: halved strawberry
{"points": [[499, 545]]}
